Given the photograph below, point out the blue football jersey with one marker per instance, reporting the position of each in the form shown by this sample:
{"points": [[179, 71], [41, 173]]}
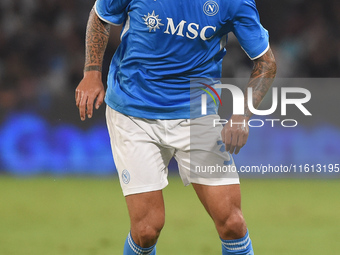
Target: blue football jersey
{"points": [[165, 44]]}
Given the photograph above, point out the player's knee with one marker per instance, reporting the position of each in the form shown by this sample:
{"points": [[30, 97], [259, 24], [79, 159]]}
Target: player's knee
{"points": [[148, 234], [233, 227]]}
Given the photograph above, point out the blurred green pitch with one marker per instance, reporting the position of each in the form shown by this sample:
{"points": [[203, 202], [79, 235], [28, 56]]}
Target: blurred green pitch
{"points": [[80, 216]]}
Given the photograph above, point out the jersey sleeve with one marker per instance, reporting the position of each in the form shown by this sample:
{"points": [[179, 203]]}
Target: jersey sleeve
{"points": [[252, 36], [111, 11]]}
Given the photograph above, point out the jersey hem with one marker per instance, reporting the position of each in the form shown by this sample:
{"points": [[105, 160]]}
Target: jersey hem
{"points": [[133, 112]]}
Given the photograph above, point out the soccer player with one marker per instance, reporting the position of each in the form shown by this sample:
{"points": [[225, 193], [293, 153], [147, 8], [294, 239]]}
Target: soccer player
{"points": [[165, 46]]}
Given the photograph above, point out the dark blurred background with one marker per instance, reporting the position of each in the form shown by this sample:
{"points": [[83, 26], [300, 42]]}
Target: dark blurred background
{"points": [[41, 63]]}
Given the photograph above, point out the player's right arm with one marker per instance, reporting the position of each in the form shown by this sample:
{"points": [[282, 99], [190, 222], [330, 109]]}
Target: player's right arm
{"points": [[91, 87], [254, 39]]}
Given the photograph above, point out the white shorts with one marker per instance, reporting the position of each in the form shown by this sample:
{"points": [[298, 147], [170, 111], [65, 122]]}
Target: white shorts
{"points": [[142, 149]]}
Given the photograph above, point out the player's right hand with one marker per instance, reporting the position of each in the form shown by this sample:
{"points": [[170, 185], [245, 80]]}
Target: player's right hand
{"points": [[235, 136], [89, 89]]}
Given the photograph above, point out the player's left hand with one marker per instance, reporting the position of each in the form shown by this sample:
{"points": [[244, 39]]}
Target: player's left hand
{"points": [[235, 133]]}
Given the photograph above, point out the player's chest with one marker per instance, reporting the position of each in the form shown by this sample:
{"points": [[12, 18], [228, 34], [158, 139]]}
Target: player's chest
{"points": [[186, 18]]}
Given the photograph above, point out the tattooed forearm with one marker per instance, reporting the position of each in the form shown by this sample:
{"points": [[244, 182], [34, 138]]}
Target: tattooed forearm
{"points": [[97, 36], [261, 79]]}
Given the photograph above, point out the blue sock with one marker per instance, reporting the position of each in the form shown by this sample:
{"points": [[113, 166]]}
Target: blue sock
{"points": [[131, 248], [240, 246]]}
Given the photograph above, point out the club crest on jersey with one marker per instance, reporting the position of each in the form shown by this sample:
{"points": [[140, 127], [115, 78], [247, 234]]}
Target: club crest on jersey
{"points": [[210, 8], [152, 21]]}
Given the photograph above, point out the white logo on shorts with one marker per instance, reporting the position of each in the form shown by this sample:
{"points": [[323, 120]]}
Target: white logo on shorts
{"points": [[126, 176], [210, 8]]}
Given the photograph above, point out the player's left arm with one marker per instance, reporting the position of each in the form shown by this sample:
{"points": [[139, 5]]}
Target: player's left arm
{"points": [[235, 136]]}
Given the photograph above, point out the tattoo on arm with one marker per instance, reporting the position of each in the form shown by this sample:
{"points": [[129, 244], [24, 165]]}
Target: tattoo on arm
{"points": [[97, 36], [261, 79]]}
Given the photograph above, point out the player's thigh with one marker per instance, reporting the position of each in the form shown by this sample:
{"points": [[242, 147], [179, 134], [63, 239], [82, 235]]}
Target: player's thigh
{"points": [[147, 207], [147, 215], [220, 201], [223, 203]]}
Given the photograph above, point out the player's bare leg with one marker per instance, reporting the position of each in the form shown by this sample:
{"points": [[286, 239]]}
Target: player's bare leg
{"points": [[147, 216], [223, 203]]}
